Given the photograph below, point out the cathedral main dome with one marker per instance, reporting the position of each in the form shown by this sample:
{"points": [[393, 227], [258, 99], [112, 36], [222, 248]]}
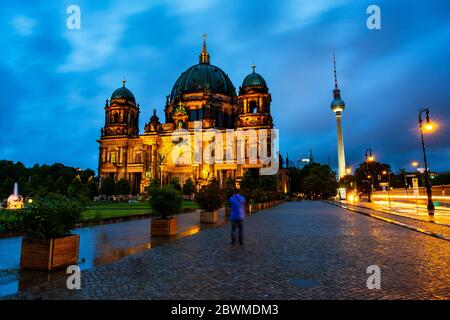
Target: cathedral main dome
{"points": [[203, 77]]}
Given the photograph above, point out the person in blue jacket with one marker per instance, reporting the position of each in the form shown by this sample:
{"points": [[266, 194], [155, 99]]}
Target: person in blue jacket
{"points": [[237, 216]]}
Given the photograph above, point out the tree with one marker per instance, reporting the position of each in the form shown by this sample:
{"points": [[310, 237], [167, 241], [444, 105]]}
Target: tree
{"points": [[122, 187], [373, 169], [295, 179], [92, 186], [41, 179], [188, 187], [107, 186], [249, 181], [318, 181], [268, 183], [442, 179], [175, 184], [78, 190]]}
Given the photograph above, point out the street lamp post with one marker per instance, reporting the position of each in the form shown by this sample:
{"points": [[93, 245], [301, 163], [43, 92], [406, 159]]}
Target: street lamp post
{"points": [[429, 127], [369, 158]]}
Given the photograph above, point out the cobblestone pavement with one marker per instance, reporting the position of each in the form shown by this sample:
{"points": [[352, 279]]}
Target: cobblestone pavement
{"points": [[295, 240]]}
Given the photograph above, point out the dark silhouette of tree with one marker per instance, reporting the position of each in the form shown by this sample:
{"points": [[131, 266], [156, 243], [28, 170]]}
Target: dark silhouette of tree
{"points": [[188, 187], [122, 187], [375, 171], [45, 179], [318, 181], [108, 186]]}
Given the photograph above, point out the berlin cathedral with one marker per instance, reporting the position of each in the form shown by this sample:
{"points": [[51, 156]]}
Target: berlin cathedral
{"points": [[203, 94]]}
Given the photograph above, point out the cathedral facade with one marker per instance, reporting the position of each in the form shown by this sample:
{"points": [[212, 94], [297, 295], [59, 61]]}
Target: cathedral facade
{"points": [[203, 99]]}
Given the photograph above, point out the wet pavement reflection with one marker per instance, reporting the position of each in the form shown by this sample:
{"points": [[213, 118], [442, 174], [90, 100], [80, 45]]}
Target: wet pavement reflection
{"points": [[98, 245], [441, 214]]}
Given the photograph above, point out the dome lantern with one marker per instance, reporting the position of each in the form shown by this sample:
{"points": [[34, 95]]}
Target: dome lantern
{"points": [[204, 55]]}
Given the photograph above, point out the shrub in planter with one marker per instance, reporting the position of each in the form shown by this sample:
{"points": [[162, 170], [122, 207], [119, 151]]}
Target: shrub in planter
{"points": [[165, 202], [47, 224], [9, 221], [210, 198]]}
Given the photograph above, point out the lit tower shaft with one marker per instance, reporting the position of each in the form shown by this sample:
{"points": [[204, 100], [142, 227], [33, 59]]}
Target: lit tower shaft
{"points": [[338, 105]]}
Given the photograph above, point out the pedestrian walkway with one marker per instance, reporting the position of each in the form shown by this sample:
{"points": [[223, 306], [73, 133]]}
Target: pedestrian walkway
{"points": [[286, 247]]}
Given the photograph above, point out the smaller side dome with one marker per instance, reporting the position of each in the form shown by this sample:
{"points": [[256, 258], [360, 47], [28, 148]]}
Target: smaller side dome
{"points": [[254, 80], [123, 93]]}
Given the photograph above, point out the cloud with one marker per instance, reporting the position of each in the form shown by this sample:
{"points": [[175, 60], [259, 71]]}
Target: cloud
{"points": [[296, 14], [100, 35], [57, 80], [23, 26]]}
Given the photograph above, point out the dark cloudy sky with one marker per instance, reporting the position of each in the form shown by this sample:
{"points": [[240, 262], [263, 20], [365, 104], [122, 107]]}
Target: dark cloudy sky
{"points": [[54, 81]]}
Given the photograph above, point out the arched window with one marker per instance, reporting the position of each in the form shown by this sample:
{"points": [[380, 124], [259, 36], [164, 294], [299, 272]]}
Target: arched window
{"points": [[253, 107]]}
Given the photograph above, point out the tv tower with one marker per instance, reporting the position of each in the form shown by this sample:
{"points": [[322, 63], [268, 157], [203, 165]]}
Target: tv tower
{"points": [[337, 106]]}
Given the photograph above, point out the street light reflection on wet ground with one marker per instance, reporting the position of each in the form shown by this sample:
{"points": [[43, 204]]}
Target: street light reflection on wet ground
{"points": [[100, 244]]}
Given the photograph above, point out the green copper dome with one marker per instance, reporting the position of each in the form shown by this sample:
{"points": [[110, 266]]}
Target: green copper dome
{"points": [[123, 93], [254, 79], [203, 77]]}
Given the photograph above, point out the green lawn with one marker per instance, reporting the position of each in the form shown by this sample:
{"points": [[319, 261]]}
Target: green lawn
{"points": [[110, 210]]}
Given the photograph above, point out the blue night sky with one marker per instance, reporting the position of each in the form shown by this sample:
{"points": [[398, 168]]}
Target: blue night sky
{"points": [[54, 81]]}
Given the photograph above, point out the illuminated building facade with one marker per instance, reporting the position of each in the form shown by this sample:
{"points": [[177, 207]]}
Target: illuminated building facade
{"points": [[203, 94]]}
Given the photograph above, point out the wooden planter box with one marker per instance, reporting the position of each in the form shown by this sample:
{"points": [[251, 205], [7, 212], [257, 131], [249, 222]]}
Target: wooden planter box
{"points": [[163, 227], [209, 217], [49, 254]]}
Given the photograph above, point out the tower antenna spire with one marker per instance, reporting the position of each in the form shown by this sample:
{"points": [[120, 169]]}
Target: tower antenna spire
{"points": [[335, 73], [336, 91]]}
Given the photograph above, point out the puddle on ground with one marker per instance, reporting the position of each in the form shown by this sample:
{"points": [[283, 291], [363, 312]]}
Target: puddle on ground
{"points": [[98, 245]]}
